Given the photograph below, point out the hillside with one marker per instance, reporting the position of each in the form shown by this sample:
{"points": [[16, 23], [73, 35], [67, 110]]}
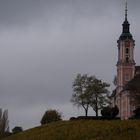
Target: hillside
{"points": [[83, 130]]}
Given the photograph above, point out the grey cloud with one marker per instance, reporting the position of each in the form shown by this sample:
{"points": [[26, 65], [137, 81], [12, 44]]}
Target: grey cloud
{"points": [[22, 13]]}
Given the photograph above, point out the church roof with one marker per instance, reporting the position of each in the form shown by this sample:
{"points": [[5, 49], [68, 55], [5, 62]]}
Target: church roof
{"points": [[134, 84], [126, 36]]}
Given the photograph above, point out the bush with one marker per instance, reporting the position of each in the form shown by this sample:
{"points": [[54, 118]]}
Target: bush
{"points": [[72, 118], [137, 113], [89, 118], [114, 111], [17, 129], [51, 116], [110, 113], [106, 112], [93, 118]]}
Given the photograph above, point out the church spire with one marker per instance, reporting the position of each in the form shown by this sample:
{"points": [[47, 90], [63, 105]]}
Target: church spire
{"points": [[126, 10], [126, 31]]}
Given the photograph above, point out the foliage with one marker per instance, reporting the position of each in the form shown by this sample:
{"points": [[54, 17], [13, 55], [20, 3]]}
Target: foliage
{"points": [[17, 129], [72, 118], [83, 130], [94, 118], [106, 112], [4, 123], [99, 94], [89, 118], [81, 96], [88, 91], [114, 111], [51, 116], [110, 112]]}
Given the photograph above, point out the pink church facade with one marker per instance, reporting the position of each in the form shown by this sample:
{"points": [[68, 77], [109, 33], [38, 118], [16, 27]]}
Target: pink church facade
{"points": [[125, 71]]}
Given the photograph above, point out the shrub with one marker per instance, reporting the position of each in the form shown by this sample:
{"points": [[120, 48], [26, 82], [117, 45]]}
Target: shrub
{"points": [[17, 129], [72, 118], [87, 118], [51, 116], [110, 113], [114, 111], [106, 112], [136, 113]]}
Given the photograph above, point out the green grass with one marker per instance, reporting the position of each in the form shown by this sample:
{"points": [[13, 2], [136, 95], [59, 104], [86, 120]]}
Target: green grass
{"points": [[82, 130]]}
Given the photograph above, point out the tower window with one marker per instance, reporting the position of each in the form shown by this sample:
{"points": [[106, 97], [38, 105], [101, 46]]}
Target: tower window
{"points": [[127, 59], [127, 51]]}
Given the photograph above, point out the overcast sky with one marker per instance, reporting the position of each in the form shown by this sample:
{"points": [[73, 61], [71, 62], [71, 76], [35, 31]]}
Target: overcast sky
{"points": [[45, 43]]}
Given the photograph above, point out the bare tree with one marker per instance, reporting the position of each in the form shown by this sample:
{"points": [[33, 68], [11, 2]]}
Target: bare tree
{"points": [[4, 123]]}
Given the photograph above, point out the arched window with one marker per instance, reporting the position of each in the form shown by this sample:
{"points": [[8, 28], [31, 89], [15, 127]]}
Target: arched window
{"points": [[127, 50], [127, 59]]}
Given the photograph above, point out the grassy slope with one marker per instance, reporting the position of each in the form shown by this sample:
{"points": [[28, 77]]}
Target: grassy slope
{"points": [[83, 130]]}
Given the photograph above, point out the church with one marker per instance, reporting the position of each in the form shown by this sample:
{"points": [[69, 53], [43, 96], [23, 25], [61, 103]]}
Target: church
{"points": [[128, 74]]}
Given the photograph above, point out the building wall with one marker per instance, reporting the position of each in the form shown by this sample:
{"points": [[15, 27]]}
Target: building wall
{"points": [[125, 73], [123, 103]]}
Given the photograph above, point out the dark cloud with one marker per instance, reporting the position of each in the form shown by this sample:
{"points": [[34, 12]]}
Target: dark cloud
{"points": [[45, 43], [22, 13]]}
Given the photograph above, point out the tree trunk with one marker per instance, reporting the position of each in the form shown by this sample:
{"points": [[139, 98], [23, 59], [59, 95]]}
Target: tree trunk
{"points": [[96, 112], [96, 107], [86, 112]]}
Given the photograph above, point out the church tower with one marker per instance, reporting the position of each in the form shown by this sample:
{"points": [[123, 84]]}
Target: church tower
{"points": [[126, 63], [128, 75]]}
